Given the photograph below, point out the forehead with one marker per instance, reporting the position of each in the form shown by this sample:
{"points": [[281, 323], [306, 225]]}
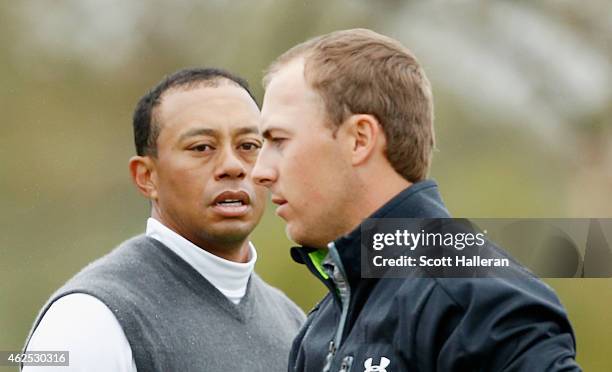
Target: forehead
{"points": [[289, 97], [224, 106]]}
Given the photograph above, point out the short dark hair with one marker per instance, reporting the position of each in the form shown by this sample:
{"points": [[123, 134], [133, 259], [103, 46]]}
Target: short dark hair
{"points": [[146, 129]]}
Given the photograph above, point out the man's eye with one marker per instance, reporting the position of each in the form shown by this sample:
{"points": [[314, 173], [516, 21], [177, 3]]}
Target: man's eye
{"points": [[277, 141], [250, 146], [202, 148]]}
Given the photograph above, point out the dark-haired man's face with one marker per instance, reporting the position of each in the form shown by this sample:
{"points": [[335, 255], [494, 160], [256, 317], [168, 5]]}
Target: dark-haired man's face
{"points": [[206, 149]]}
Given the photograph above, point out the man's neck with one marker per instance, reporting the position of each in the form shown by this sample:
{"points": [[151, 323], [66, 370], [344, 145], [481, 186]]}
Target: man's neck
{"points": [[228, 276], [239, 254], [375, 194]]}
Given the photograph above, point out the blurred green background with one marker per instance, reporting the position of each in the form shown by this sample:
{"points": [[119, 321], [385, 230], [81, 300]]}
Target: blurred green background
{"points": [[523, 105]]}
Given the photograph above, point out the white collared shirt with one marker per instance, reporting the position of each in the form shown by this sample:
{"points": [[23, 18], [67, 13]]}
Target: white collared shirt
{"points": [[83, 325]]}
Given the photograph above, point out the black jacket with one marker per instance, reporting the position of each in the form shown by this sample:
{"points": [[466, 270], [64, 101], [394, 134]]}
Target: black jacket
{"points": [[427, 324]]}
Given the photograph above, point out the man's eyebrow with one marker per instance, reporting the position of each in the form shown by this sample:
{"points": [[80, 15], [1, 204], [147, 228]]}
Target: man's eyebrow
{"points": [[267, 133], [246, 130], [198, 132]]}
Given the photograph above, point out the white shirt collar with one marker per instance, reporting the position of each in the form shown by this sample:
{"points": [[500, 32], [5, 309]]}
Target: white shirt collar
{"points": [[229, 277]]}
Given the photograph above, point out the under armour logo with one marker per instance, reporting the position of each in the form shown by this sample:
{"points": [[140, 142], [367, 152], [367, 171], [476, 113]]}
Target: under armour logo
{"points": [[384, 363]]}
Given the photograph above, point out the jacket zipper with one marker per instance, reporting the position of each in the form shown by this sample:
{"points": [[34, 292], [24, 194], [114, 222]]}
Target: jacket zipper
{"points": [[339, 278]]}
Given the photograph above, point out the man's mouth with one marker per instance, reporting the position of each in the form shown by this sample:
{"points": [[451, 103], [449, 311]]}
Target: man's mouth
{"points": [[232, 203], [281, 206], [278, 201]]}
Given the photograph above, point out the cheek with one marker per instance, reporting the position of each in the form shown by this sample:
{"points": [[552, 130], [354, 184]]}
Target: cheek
{"points": [[306, 188], [183, 183], [312, 174], [260, 193]]}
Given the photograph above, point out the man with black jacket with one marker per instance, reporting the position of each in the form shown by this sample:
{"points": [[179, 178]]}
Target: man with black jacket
{"points": [[348, 125]]}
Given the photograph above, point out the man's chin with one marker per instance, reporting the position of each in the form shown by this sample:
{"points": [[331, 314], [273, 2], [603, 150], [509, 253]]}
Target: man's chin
{"points": [[230, 230], [302, 238]]}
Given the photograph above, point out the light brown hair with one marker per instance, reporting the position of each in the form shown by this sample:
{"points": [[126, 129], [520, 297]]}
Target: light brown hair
{"points": [[362, 72]]}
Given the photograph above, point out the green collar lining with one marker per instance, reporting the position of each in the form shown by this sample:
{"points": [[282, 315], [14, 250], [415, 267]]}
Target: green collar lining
{"points": [[317, 257]]}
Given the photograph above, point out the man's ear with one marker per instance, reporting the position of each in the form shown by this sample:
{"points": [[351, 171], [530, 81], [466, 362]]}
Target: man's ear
{"points": [[366, 137], [142, 170]]}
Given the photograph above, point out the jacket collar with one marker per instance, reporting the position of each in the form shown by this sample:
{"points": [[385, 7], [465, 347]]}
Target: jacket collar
{"points": [[419, 200]]}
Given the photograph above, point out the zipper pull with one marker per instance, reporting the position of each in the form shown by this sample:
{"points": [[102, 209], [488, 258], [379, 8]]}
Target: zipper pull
{"points": [[330, 356], [347, 362]]}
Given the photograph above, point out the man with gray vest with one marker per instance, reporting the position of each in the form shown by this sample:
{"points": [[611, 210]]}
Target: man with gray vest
{"points": [[183, 296]]}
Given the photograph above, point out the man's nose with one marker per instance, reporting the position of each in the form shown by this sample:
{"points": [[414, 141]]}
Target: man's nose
{"points": [[263, 173], [230, 166]]}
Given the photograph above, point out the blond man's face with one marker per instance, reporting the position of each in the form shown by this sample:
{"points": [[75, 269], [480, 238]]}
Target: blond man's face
{"points": [[306, 167]]}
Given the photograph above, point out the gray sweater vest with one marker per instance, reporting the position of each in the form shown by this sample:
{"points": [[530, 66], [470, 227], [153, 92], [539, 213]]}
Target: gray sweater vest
{"points": [[175, 320]]}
